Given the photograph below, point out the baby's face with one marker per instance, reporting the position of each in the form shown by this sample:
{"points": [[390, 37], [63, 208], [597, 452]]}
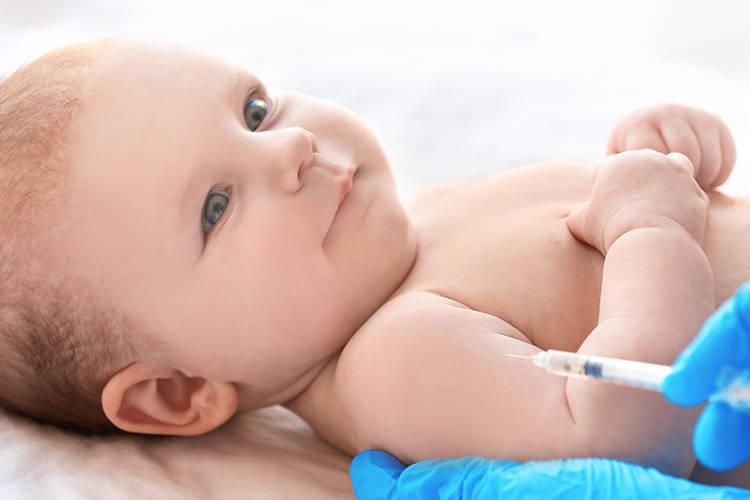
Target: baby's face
{"points": [[253, 230]]}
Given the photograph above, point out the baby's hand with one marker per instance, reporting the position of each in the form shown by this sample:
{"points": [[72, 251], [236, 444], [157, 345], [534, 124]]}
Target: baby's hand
{"points": [[673, 128], [640, 189]]}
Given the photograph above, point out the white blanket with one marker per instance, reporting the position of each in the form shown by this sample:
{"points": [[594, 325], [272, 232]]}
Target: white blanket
{"points": [[269, 454]]}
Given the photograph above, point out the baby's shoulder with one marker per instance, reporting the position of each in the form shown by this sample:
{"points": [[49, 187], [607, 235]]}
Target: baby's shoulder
{"points": [[409, 326], [418, 329], [426, 310], [412, 326], [434, 192]]}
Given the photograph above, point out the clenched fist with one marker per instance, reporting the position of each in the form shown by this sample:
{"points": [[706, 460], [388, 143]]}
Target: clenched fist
{"points": [[638, 189], [672, 128]]}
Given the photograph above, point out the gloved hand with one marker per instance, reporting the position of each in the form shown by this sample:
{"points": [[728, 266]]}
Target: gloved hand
{"points": [[722, 436], [379, 476]]}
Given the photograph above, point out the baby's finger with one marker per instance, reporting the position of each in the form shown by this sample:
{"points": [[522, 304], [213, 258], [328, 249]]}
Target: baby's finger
{"points": [[575, 220], [710, 143], [680, 138], [683, 161], [645, 137], [628, 136], [616, 140], [728, 156], [578, 223]]}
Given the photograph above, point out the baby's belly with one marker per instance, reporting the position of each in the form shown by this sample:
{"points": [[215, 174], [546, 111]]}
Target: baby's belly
{"points": [[502, 246], [727, 243]]}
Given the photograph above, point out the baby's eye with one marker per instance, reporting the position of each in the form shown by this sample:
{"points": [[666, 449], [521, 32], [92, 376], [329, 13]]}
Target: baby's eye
{"points": [[255, 111], [213, 209]]}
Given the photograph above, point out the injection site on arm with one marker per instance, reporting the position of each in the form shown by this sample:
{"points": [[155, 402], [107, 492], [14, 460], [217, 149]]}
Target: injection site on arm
{"points": [[647, 217]]}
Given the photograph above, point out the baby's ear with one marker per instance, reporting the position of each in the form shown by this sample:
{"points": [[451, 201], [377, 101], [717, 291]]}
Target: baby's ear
{"points": [[154, 399]]}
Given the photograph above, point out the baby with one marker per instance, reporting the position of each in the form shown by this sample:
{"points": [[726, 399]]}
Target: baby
{"points": [[194, 245]]}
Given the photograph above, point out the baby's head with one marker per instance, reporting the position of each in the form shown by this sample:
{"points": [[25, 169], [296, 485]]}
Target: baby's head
{"points": [[180, 242]]}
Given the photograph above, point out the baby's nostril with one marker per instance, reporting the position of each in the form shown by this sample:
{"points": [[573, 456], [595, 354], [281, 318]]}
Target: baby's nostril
{"points": [[313, 141], [303, 168]]}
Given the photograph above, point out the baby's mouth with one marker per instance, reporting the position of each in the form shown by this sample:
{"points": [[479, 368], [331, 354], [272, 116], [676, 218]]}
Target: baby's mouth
{"points": [[343, 174], [346, 187], [333, 165], [343, 171], [345, 183]]}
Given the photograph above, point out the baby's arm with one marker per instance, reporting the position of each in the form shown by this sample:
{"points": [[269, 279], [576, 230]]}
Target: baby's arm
{"points": [[647, 216], [430, 378]]}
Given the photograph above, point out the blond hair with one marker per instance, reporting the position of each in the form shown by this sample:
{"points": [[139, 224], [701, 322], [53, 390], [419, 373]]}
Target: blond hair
{"points": [[58, 343]]}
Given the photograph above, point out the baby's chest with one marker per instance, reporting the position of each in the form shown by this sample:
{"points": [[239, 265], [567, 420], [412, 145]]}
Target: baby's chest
{"points": [[502, 247]]}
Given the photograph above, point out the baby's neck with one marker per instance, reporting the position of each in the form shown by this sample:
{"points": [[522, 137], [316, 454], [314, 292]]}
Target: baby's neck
{"points": [[304, 389], [288, 394], [297, 389]]}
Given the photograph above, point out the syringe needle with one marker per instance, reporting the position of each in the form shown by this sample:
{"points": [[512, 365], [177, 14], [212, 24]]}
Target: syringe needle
{"points": [[519, 356]]}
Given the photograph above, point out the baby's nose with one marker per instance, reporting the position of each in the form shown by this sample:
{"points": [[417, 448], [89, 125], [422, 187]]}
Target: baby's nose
{"points": [[310, 137], [295, 147]]}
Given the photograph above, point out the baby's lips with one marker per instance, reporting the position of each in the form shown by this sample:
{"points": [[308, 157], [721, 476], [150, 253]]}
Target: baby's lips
{"points": [[344, 170], [332, 164]]}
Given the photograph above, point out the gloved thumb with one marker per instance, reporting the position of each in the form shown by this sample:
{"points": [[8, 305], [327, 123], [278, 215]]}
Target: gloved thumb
{"points": [[378, 475], [375, 475]]}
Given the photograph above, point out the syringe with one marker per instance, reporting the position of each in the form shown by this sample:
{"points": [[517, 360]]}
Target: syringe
{"points": [[734, 386]]}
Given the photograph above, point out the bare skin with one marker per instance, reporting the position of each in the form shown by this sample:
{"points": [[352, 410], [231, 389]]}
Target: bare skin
{"points": [[526, 275], [315, 289], [252, 293]]}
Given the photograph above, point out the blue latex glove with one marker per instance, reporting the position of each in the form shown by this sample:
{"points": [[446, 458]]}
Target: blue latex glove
{"points": [[722, 436], [378, 476]]}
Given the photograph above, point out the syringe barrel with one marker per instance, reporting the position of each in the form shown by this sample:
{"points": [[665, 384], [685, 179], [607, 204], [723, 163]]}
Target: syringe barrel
{"points": [[734, 387], [632, 373]]}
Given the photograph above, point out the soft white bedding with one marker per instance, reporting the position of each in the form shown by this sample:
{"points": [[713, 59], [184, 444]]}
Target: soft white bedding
{"points": [[451, 91], [269, 454]]}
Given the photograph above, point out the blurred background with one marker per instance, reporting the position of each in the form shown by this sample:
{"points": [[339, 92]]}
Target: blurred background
{"points": [[452, 89]]}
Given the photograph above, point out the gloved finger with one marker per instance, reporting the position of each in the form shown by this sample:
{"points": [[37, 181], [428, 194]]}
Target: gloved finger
{"points": [[595, 478], [477, 478], [378, 475], [374, 475], [722, 437], [723, 341], [469, 478]]}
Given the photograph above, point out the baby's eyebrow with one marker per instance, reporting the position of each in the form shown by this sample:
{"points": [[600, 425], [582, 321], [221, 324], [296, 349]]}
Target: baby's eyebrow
{"points": [[235, 82], [240, 81]]}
